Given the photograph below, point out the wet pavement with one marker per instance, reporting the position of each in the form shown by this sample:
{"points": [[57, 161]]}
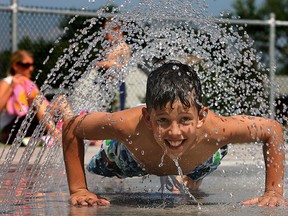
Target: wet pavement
{"points": [[240, 177]]}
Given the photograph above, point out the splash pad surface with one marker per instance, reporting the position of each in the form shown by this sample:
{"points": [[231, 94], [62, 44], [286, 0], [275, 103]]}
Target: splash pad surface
{"points": [[221, 193]]}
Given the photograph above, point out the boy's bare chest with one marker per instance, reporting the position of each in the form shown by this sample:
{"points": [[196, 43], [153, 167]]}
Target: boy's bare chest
{"points": [[153, 159]]}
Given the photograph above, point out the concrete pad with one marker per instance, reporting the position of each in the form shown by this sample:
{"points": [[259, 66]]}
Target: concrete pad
{"points": [[240, 177]]}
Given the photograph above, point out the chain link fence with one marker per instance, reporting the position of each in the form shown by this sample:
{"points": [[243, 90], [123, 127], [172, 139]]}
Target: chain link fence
{"points": [[5, 28], [37, 29], [38, 26]]}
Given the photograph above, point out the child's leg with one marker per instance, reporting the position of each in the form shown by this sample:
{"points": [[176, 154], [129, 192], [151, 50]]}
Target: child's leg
{"points": [[188, 182], [193, 185], [114, 159]]}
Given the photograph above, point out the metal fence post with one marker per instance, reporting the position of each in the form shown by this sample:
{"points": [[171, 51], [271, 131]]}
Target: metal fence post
{"points": [[14, 7], [272, 24]]}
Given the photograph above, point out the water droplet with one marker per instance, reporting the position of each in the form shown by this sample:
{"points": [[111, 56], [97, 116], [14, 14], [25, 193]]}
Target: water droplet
{"points": [[180, 173], [176, 68]]}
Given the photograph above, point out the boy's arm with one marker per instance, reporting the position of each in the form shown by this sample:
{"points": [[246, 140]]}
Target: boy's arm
{"points": [[74, 131], [244, 129], [274, 156]]}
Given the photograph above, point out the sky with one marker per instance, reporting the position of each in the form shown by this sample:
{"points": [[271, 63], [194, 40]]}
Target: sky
{"points": [[215, 7]]}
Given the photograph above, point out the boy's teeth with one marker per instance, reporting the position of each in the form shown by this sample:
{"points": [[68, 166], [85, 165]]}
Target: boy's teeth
{"points": [[175, 143]]}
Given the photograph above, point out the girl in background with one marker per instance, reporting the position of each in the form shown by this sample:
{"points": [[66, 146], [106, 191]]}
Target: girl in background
{"points": [[18, 94]]}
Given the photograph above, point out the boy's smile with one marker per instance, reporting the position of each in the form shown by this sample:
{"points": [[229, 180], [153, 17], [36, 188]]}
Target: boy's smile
{"points": [[174, 128], [174, 144]]}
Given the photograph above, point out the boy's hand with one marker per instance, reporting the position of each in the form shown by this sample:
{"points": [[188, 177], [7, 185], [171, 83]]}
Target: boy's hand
{"points": [[269, 198], [85, 198]]}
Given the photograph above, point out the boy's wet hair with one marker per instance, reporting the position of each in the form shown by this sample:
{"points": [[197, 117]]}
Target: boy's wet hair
{"points": [[172, 81]]}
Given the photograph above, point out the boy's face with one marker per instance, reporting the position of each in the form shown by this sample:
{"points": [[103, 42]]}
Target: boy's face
{"points": [[174, 128]]}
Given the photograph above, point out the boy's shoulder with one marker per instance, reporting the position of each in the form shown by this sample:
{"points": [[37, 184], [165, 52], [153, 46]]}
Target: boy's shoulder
{"points": [[129, 118], [136, 110], [217, 125], [130, 122], [238, 128]]}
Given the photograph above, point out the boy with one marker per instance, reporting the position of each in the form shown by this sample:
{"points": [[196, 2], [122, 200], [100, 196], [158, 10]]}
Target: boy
{"points": [[172, 126]]}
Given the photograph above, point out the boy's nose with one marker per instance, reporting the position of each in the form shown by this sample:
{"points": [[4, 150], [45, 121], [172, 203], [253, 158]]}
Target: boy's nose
{"points": [[174, 129]]}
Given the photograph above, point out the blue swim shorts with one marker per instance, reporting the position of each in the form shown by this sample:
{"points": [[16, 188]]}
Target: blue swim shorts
{"points": [[114, 159]]}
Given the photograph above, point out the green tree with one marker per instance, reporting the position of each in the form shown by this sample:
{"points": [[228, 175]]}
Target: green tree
{"points": [[4, 62], [248, 9]]}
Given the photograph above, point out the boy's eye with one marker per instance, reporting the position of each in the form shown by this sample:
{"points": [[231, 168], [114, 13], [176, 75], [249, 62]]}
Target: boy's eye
{"points": [[186, 120], [162, 121]]}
